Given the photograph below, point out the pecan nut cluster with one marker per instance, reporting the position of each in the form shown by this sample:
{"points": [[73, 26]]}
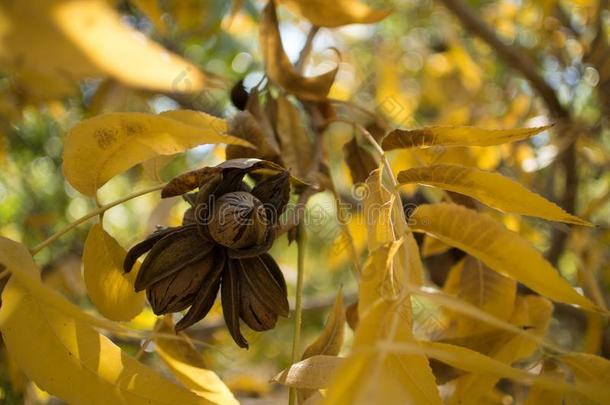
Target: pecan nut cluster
{"points": [[221, 245]]}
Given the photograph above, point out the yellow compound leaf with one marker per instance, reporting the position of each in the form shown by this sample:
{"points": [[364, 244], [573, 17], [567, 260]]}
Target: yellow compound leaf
{"points": [[336, 13], [188, 366], [455, 136], [101, 147], [279, 68], [110, 289], [57, 42], [490, 188], [56, 346], [502, 250], [371, 371]]}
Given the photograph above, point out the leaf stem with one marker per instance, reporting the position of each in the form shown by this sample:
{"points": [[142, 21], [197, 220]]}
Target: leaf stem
{"points": [[93, 214], [301, 240]]}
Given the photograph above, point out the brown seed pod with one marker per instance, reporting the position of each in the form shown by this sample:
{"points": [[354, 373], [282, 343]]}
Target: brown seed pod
{"points": [[238, 220], [221, 245]]}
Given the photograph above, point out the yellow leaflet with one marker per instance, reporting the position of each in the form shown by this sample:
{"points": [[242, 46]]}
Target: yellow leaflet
{"points": [[153, 11], [455, 136], [384, 224], [110, 289], [58, 42], [63, 354], [278, 66], [540, 395], [530, 311], [475, 362], [311, 374], [188, 366], [502, 250], [371, 372], [490, 188], [433, 246], [589, 369], [336, 13], [99, 148], [478, 285], [330, 340]]}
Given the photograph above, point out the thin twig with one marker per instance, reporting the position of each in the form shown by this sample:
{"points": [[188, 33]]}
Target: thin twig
{"points": [[92, 214], [296, 339]]}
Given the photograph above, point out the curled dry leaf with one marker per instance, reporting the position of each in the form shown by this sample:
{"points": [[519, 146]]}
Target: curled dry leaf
{"points": [[296, 145], [336, 13], [359, 160], [490, 188], [502, 250], [278, 66], [111, 291], [101, 147], [54, 342], [455, 136], [191, 180]]}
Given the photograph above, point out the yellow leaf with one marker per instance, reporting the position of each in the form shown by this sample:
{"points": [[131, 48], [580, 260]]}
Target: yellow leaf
{"points": [[385, 224], [188, 366], [110, 289], [101, 147], [455, 136], [540, 395], [480, 286], [153, 11], [330, 340], [312, 373], [590, 369], [433, 246], [502, 250], [56, 346], [490, 188], [62, 41], [533, 312], [279, 68], [371, 372], [475, 362], [336, 13]]}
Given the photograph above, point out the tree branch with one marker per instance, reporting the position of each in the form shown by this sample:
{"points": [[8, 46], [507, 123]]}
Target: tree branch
{"points": [[513, 56]]}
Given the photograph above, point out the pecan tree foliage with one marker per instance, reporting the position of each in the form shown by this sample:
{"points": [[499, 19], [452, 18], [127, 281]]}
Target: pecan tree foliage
{"points": [[491, 328]]}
